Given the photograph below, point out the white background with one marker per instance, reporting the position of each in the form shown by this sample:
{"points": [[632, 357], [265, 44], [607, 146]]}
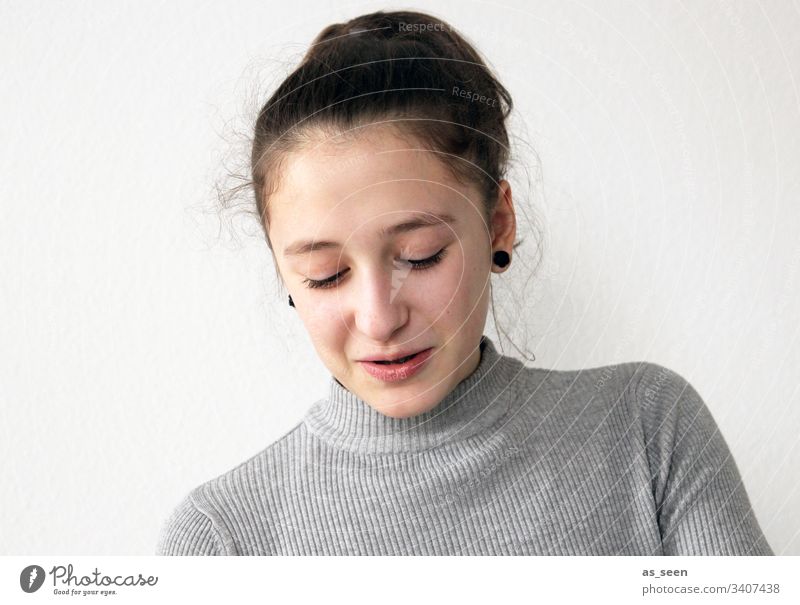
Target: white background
{"points": [[144, 351]]}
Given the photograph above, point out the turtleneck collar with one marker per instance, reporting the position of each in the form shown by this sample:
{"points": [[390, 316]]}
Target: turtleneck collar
{"points": [[478, 402]]}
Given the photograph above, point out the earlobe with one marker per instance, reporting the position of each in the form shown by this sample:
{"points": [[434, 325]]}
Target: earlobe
{"points": [[501, 259]]}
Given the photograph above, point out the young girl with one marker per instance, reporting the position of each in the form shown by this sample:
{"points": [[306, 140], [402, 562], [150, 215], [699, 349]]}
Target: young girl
{"points": [[377, 168]]}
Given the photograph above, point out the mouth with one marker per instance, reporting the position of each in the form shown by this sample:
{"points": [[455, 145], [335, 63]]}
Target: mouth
{"points": [[400, 368], [394, 360]]}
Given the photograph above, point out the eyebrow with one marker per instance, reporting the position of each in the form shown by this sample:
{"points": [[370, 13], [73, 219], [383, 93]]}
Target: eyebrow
{"points": [[425, 220]]}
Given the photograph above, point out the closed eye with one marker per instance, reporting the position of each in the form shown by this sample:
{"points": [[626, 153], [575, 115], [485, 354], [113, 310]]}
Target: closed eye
{"points": [[416, 265]]}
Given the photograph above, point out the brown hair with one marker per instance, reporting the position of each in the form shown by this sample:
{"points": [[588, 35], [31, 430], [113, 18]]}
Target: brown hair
{"points": [[404, 68]]}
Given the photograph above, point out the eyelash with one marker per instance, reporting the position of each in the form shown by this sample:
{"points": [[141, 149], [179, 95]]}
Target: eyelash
{"points": [[416, 265]]}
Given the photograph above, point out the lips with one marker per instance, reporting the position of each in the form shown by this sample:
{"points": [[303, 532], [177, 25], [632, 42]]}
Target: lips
{"points": [[394, 372], [393, 358], [398, 360]]}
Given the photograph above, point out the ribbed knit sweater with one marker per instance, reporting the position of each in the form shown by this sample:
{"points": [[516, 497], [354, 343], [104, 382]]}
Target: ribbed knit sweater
{"points": [[623, 459]]}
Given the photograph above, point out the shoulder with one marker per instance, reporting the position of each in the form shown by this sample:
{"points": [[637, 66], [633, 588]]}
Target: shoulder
{"points": [[642, 399], [644, 384], [661, 400], [639, 386], [204, 521], [189, 531], [670, 409], [645, 401], [679, 436]]}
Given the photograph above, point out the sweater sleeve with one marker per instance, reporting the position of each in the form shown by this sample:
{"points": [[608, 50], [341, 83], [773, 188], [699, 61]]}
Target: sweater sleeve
{"points": [[189, 531], [702, 506]]}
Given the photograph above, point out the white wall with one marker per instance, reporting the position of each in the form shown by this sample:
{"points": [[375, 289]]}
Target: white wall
{"points": [[142, 355]]}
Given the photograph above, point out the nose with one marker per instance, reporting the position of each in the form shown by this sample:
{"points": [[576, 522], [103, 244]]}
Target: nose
{"points": [[379, 304]]}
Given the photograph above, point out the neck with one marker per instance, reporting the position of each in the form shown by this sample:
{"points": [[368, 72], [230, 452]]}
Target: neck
{"points": [[476, 404]]}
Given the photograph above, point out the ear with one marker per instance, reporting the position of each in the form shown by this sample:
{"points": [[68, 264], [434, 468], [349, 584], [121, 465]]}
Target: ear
{"points": [[503, 223]]}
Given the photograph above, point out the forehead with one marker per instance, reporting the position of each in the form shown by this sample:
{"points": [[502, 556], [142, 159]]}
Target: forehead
{"points": [[362, 183]]}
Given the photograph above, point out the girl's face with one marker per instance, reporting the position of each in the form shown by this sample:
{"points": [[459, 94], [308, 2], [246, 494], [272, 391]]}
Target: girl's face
{"points": [[384, 253]]}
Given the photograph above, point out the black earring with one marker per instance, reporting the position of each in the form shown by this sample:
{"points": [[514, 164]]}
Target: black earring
{"points": [[501, 258], [291, 302]]}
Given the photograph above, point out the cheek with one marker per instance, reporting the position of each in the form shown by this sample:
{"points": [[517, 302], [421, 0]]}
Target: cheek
{"points": [[443, 289], [328, 337], [325, 318], [455, 288], [322, 320], [475, 271]]}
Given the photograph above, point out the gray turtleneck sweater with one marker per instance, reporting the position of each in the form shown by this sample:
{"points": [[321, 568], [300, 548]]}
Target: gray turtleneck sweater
{"points": [[623, 459]]}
